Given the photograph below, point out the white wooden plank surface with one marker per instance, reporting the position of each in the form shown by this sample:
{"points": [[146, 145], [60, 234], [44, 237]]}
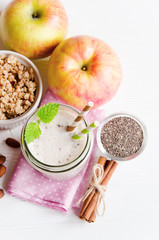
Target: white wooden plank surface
{"points": [[131, 28]]}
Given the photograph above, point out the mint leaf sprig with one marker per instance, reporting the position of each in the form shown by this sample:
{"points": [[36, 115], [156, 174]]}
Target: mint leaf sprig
{"points": [[46, 114], [32, 131]]}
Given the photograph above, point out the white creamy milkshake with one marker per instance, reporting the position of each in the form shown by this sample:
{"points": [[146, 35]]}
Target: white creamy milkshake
{"points": [[55, 145]]}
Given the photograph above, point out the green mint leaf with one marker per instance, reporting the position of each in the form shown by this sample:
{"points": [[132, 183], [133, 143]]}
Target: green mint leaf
{"points": [[32, 131], [48, 112]]}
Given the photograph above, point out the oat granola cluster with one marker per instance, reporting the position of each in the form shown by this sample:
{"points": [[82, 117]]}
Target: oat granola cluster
{"points": [[17, 87]]}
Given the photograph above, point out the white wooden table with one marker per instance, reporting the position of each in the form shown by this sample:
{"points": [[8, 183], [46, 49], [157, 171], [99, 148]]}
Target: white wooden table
{"points": [[132, 198]]}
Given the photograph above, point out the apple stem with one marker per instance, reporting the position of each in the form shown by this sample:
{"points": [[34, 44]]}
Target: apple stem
{"points": [[84, 68], [35, 15]]}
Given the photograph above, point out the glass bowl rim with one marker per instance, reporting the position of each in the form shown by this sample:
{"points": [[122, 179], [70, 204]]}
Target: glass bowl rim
{"points": [[122, 114]]}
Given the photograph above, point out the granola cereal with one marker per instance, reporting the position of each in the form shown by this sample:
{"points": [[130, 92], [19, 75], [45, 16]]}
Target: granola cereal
{"points": [[17, 87]]}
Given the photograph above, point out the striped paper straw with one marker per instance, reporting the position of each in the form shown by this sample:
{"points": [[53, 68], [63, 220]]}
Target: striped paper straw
{"points": [[86, 130], [86, 109]]}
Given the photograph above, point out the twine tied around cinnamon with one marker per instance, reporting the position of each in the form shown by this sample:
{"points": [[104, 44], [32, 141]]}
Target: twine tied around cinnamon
{"points": [[98, 172]]}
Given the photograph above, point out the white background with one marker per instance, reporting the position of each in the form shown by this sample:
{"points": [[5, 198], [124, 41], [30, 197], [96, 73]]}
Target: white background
{"points": [[131, 27]]}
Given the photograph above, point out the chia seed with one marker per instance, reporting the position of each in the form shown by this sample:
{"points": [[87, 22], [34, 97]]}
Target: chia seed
{"points": [[122, 136]]}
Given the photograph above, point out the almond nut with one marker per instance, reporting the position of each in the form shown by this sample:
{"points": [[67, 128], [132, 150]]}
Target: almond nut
{"points": [[2, 170], [12, 143], [1, 193], [2, 159]]}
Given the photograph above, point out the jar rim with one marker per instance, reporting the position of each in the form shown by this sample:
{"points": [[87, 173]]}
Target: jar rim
{"points": [[44, 166]]}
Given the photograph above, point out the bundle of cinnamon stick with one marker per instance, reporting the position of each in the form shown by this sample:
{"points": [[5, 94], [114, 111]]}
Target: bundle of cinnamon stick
{"points": [[89, 208]]}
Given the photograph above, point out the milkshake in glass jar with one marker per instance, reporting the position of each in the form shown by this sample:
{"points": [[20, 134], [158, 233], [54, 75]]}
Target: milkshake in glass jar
{"points": [[54, 152]]}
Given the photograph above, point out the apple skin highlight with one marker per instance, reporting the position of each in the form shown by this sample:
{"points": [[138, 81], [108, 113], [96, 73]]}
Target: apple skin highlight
{"points": [[33, 28], [83, 69]]}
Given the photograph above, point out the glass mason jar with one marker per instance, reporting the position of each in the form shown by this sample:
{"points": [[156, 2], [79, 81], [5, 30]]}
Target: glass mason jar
{"points": [[59, 172], [115, 115]]}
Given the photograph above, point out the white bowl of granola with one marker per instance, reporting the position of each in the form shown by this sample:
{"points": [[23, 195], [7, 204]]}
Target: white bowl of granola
{"points": [[20, 89]]}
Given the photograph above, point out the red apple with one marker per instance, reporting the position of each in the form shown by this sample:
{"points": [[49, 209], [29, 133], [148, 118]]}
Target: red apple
{"points": [[33, 28], [84, 68]]}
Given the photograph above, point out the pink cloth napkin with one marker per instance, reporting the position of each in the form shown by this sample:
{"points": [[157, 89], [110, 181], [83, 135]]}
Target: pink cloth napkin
{"points": [[29, 184]]}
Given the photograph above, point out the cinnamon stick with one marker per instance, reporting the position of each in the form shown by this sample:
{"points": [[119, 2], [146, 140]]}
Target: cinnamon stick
{"points": [[93, 197], [88, 212], [102, 162], [104, 183], [110, 173]]}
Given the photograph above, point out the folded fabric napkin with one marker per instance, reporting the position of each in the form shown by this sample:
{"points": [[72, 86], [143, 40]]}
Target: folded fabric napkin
{"points": [[29, 184]]}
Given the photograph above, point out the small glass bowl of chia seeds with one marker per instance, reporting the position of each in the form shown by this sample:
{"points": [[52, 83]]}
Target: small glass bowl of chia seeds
{"points": [[121, 136]]}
